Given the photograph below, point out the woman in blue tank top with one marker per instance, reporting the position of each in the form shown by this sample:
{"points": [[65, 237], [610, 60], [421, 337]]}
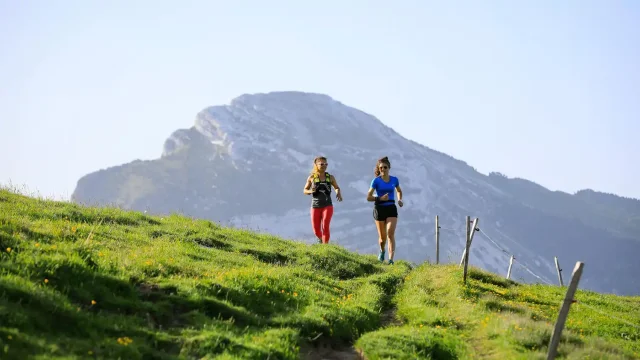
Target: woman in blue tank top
{"points": [[385, 212]]}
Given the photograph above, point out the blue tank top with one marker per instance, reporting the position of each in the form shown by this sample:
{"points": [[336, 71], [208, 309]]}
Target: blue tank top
{"points": [[381, 187]]}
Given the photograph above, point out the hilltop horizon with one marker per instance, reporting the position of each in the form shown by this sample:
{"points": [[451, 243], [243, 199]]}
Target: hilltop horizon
{"points": [[132, 285]]}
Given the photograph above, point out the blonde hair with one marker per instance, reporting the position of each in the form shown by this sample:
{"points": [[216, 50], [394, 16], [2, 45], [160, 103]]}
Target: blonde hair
{"points": [[314, 170], [384, 160]]}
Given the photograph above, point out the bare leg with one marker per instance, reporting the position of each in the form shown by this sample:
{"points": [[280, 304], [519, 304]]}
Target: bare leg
{"points": [[391, 233], [382, 234]]}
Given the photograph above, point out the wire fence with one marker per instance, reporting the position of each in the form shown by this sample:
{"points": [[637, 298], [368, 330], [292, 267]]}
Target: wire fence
{"points": [[606, 314], [524, 266], [517, 262]]}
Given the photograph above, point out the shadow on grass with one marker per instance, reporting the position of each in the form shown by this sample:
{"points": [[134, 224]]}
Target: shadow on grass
{"points": [[420, 344], [337, 264], [164, 304], [210, 242], [197, 258], [7, 231], [492, 279], [156, 233], [497, 306], [80, 216], [539, 338], [15, 346], [472, 292], [215, 343], [80, 307], [530, 300], [268, 257]]}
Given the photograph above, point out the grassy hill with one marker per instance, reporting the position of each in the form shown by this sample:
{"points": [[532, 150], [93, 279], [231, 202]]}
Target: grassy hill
{"points": [[101, 283]]}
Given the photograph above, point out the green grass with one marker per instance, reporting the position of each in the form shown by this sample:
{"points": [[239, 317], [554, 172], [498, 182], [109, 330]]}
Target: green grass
{"points": [[102, 283], [492, 317], [105, 283]]}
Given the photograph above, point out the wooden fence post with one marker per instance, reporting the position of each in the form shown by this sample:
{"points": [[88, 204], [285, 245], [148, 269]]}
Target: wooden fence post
{"points": [[470, 233], [558, 270], [468, 247], [437, 240], [564, 310], [510, 265], [466, 239]]}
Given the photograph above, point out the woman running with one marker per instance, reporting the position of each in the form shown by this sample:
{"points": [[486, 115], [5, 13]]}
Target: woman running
{"points": [[319, 187], [385, 212]]}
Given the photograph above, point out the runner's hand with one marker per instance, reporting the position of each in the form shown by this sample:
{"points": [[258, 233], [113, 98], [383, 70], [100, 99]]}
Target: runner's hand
{"points": [[339, 196], [400, 203], [384, 197]]}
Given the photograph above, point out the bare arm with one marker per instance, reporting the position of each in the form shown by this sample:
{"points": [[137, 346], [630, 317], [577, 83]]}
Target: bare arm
{"points": [[399, 192], [335, 186], [307, 187], [370, 196]]}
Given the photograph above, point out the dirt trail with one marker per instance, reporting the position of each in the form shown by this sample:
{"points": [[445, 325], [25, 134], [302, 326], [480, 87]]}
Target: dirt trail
{"points": [[327, 350], [389, 318]]}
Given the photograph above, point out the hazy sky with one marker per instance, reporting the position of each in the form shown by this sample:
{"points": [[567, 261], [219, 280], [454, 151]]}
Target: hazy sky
{"points": [[545, 90]]}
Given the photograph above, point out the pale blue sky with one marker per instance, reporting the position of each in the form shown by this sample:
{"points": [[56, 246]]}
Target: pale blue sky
{"points": [[545, 90]]}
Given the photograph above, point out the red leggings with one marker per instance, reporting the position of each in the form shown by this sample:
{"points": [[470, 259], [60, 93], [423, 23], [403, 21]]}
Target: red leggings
{"points": [[320, 220]]}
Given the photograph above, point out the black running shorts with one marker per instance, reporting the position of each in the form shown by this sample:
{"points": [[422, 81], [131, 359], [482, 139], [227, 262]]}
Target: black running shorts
{"points": [[382, 212]]}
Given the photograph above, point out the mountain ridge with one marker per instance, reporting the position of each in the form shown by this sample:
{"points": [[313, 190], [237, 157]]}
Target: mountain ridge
{"points": [[216, 170]]}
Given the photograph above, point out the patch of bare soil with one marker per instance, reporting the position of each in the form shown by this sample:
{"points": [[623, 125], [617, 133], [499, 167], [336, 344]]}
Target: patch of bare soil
{"points": [[389, 318], [325, 350]]}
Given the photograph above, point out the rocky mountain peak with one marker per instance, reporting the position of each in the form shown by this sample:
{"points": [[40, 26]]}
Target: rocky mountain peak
{"points": [[245, 163], [296, 122]]}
